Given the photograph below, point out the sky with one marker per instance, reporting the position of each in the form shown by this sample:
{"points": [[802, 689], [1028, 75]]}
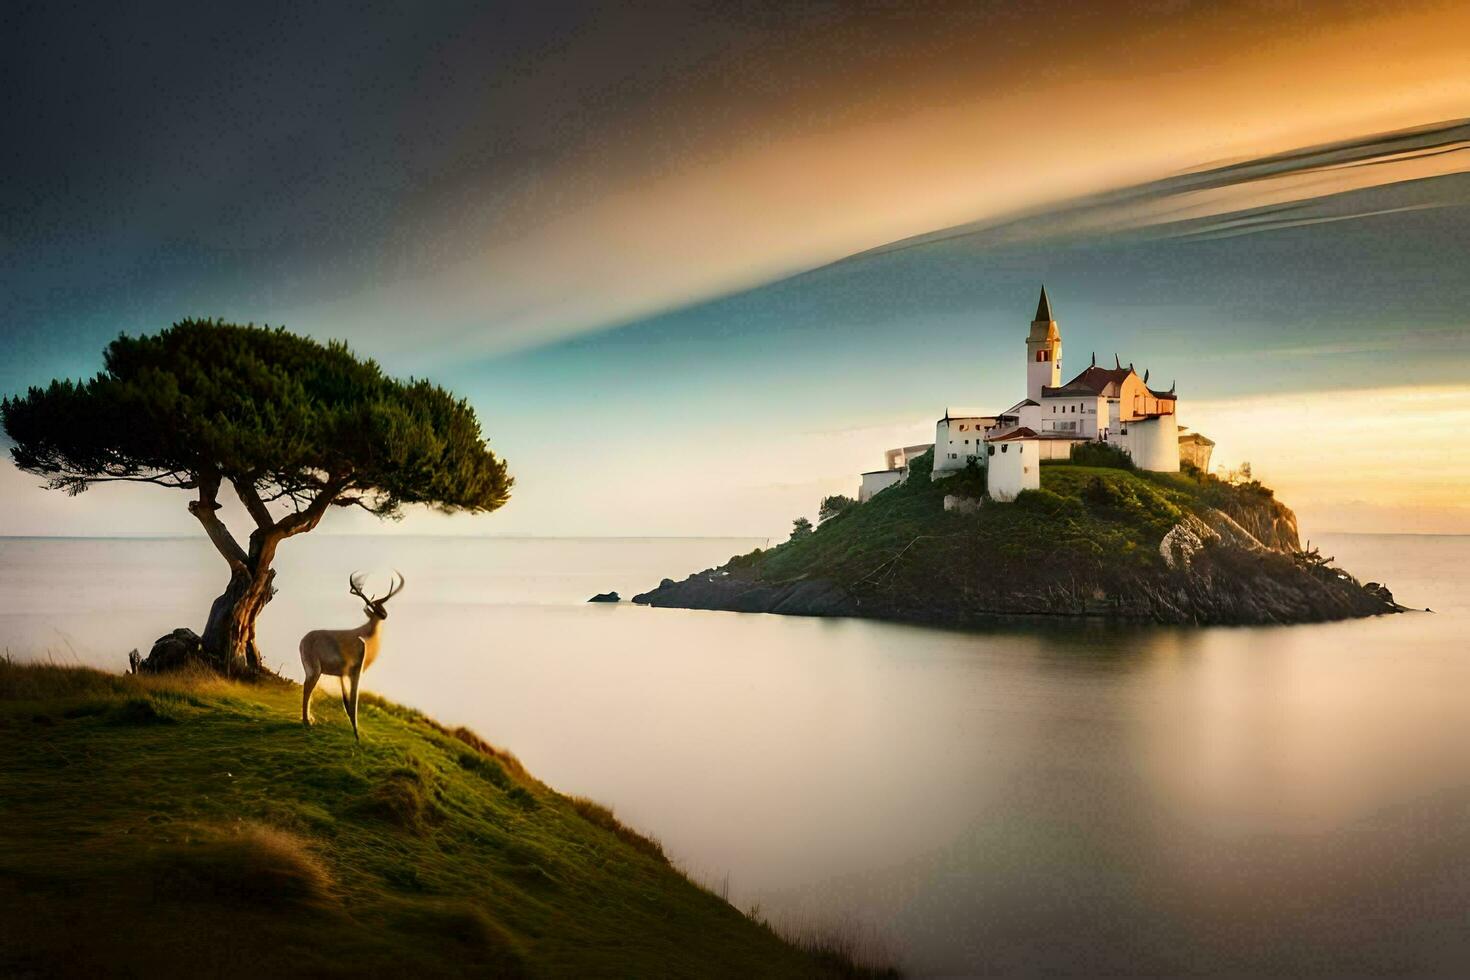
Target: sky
{"points": [[697, 265]]}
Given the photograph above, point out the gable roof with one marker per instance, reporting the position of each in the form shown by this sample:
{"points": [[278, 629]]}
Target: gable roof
{"points": [[1095, 381], [1092, 381], [1022, 433], [1015, 410]]}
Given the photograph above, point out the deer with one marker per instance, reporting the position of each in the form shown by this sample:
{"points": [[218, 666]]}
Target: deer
{"points": [[345, 654]]}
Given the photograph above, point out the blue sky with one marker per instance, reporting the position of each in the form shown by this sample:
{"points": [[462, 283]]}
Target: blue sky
{"points": [[697, 266]]}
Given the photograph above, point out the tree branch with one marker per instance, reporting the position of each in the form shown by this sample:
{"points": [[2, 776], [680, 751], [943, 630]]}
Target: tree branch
{"points": [[173, 480], [205, 510], [303, 521], [245, 490]]}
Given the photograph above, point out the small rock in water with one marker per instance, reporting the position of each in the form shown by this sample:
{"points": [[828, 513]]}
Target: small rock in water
{"points": [[606, 597]]}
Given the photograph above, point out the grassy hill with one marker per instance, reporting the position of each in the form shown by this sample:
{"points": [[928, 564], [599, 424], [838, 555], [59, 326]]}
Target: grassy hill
{"points": [[1090, 541], [189, 826]]}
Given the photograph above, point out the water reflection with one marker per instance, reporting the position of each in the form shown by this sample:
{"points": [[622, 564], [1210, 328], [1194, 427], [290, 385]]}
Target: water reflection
{"points": [[1024, 800]]}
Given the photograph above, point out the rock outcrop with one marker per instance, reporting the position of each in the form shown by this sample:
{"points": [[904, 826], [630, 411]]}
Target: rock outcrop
{"points": [[172, 651], [1110, 545], [717, 589], [1268, 521]]}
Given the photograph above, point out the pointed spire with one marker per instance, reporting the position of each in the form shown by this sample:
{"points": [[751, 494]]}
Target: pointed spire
{"points": [[1145, 375], [1117, 364], [1094, 358], [1043, 308]]}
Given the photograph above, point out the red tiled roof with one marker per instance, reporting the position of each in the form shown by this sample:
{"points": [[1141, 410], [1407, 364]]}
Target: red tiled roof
{"points": [[1091, 381], [1024, 432], [1094, 380]]}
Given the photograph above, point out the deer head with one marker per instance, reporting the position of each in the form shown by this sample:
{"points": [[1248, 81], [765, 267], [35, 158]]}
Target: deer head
{"points": [[374, 607]]}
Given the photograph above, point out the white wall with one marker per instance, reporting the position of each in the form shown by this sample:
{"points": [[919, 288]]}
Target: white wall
{"points": [[1084, 415], [1153, 443], [1055, 448], [1031, 417], [956, 441], [1015, 465], [879, 480]]}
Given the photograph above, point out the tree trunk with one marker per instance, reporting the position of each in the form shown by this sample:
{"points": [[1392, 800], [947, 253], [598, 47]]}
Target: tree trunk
{"points": [[229, 634]]}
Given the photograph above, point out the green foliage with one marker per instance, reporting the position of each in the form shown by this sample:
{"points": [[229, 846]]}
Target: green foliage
{"points": [[833, 506], [1046, 504], [1101, 454], [236, 843], [968, 482], [264, 409], [742, 561], [800, 528], [1093, 529]]}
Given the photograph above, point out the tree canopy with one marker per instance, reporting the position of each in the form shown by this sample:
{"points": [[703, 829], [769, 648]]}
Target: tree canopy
{"points": [[834, 505], [284, 420], [281, 417]]}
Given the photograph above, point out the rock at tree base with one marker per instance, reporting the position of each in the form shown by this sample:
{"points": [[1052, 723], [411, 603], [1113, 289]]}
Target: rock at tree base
{"points": [[172, 651]]}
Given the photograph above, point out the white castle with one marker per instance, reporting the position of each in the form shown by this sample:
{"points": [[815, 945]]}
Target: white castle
{"points": [[1109, 405]]}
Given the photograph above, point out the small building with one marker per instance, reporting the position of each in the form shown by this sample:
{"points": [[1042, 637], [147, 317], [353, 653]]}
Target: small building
{"points": [[1013, 464], [895, 470], [959, 440], [875, 481], [898, 459], [1195, 449]]}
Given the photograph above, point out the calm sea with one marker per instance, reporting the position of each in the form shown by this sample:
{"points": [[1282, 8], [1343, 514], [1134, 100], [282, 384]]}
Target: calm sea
{"points": [[1139, 800]]}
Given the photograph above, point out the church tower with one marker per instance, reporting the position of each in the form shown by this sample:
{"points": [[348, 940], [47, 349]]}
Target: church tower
{"points": [[1043, 351]]}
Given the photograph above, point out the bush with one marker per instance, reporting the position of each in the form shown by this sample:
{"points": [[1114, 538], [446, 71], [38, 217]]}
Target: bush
{"points": [[742, 561], [1101, 493], [800, 528], [1046, 502], [1101, 454], [834, 505]]}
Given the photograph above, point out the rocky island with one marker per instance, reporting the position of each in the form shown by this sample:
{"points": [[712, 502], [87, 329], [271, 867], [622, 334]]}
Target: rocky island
{"points": [[1100, 542]]}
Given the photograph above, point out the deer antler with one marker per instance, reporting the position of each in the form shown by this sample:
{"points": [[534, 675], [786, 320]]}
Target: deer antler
{"points": [[354, 585], [393, 590]]}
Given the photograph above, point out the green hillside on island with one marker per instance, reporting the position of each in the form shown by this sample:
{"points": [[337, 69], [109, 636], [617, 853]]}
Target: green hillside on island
{"points": [[190, 826], [1102, 540]]}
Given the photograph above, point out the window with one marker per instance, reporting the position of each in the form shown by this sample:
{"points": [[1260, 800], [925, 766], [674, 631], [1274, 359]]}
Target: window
{"points": [[1005, 447], [990, 450]]}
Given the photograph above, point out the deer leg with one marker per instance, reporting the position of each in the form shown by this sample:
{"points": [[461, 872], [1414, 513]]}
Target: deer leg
{"points": [[356, 675], [346, 705], [307, 686]]}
